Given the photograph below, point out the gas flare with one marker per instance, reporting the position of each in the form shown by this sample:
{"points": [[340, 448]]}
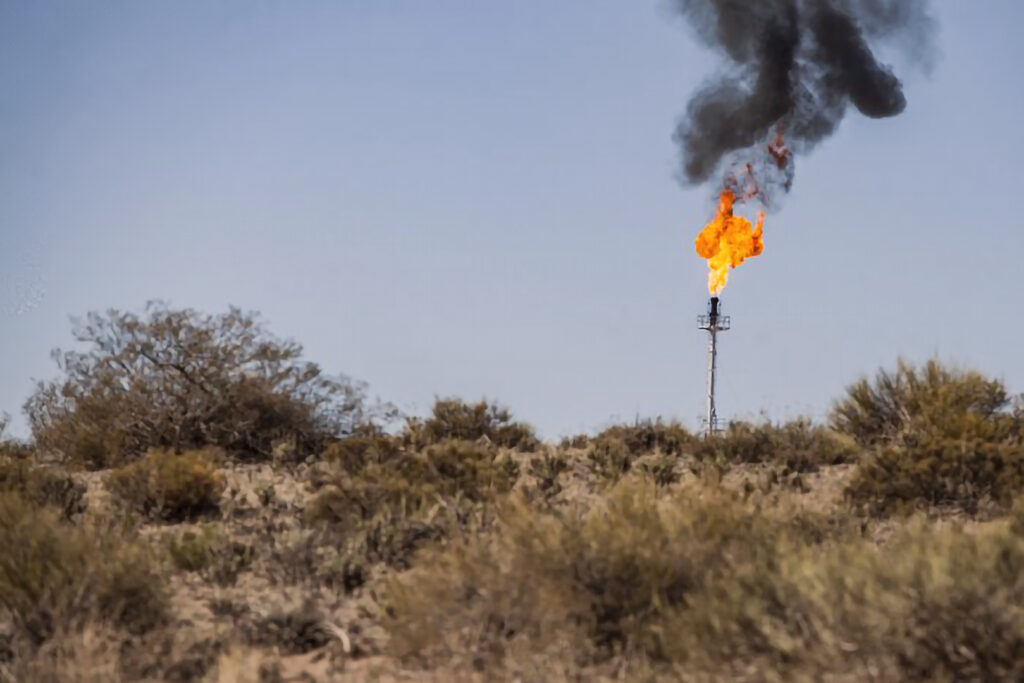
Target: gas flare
{"points": [[727, 241]]}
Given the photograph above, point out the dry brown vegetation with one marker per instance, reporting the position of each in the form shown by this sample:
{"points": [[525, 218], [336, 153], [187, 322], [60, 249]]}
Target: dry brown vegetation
{"points": [[213, 534], [936, 437], [169, 486]]}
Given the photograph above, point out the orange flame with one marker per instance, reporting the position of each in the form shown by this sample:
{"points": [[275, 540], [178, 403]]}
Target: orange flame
{"points": [[727, 241]]}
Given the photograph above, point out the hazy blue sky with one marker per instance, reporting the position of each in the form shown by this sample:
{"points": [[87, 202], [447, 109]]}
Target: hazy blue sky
{"points": [[474, 198]]}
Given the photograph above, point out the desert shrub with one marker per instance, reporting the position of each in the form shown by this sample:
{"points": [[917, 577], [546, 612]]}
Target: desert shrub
{"points": [[93, 653], [42, 485], [589, 585], [55, 576], [697, 585], [210, 553], [939, 437], [179, 379], [386, 511], [451, 469], [880, 411], [11, 449], [453, 418], [189, 551], [354, 454], [293, 632], [938, 470], [293, 557], [931, 605], [614, 451], [101, 653], [394, 539], [647, 436], [609, 457], [547, 469], [577, 441], [663, 470], [799, 445], [169, 486]]}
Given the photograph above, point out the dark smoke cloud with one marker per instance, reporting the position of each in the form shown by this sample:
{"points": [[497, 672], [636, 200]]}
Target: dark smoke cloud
{"points": [[796, 66]]}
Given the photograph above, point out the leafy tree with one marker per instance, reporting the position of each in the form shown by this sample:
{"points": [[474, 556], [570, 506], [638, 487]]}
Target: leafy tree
{"points": [[179, 379]]}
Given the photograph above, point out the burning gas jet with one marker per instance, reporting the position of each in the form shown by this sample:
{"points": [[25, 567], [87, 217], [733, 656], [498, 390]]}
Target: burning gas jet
{"points": [[793, 68], [727, 241]]}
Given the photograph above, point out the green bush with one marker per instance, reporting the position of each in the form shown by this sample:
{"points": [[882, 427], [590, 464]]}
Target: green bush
{"points": [[170, 486], [934, 469], [896, 402], [55, 576], [189, 551], [798, 446], [939, 437], [454, 419]]}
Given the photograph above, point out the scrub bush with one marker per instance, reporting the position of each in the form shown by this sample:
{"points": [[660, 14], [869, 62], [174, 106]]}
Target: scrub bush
{"points": [[56, 577], [647, 436], [588, 586], [454, 419], [42, 485], [184, 380], [904, 400], [939, 437], [407, 483], [798, 446], [170, 486]]}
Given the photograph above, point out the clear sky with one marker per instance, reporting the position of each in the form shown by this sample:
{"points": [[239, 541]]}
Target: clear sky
{"points": [[473, 198]]}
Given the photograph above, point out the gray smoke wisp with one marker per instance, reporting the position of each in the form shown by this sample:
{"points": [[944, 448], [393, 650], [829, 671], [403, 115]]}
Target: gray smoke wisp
{"points": [[794, 67]]}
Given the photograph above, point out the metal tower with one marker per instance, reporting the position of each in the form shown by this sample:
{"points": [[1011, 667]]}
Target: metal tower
{"points": [[714, 322]]}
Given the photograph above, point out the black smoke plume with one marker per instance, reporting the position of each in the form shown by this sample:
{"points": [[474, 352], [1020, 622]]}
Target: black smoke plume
{"points": [[795, 66]]}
